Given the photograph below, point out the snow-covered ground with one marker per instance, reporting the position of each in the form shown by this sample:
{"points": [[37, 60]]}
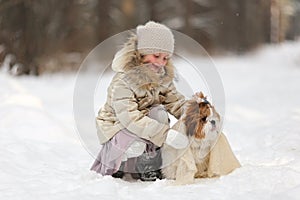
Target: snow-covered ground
{"points": [[41, 156]]}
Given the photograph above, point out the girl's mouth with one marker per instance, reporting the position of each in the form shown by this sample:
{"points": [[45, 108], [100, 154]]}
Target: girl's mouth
{"points": [[156, 68]]}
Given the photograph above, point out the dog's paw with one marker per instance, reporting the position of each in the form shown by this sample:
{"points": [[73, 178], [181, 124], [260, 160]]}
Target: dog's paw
{"points": [[176, 139]]}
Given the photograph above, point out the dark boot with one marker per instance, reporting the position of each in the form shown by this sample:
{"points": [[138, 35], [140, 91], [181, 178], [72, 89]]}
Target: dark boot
{"points": [[148, 165], [120, 173], [151, 175]]}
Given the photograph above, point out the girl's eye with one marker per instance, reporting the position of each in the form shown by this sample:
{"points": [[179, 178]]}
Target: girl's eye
{"points": [[166, 58], [156, 56]]}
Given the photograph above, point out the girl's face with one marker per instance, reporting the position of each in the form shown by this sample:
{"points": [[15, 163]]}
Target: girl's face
{"points": [[158, 60]]}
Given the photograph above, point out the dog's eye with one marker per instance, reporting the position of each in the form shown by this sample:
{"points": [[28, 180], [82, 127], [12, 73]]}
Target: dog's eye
{"points": [[203, 119]]}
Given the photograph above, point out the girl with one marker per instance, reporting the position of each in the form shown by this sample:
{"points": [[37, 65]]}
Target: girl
{"points": [[133, 124]]}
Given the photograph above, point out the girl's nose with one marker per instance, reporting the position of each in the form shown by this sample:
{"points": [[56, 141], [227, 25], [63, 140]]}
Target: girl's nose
{"points": [[160, 61]]}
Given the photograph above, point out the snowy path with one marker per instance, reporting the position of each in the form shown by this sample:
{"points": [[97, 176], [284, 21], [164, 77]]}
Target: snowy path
{"points": [[41, 156]]}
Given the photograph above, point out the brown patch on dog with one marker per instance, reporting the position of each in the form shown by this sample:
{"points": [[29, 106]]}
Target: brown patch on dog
{"points": [[195, 119]]}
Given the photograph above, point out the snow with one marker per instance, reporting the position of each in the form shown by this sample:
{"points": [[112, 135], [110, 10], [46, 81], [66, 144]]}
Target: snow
{"points": [[41, 155]]}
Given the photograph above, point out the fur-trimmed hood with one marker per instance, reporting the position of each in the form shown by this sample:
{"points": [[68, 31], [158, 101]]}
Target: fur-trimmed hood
{"points": [[129, 61], [127, 57]]}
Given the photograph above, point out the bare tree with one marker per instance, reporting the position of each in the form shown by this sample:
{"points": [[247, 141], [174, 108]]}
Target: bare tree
{"points": [[42, 33]]}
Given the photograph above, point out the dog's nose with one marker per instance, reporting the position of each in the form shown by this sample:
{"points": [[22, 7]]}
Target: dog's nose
{"points": [[213, 122]]}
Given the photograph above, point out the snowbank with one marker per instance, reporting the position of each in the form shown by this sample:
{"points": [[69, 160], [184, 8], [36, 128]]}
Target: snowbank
{"points": [[41, 156]]}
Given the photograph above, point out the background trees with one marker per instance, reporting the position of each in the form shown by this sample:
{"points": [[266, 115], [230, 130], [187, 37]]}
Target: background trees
{"points": [[56, 35]]}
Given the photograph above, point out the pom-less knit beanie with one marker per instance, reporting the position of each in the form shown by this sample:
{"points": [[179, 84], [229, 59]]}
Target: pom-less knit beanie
{"points": [[154, 38]]}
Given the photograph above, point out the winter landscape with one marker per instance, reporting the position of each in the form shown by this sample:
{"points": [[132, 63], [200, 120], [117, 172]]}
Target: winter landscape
{"points": [[42, 156]]}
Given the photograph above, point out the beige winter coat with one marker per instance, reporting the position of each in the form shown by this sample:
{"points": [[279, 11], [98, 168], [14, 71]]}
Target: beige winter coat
{"points": [[133, 91]]}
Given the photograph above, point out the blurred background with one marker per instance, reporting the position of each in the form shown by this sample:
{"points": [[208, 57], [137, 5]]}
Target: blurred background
{"points": [[39, 36]]}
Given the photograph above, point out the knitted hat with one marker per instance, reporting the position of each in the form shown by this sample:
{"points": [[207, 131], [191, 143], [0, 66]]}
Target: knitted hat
{"points": [[155, 38]]}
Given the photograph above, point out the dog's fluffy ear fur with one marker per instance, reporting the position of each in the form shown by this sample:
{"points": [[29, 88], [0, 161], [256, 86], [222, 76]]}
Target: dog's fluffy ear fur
{"points": [[192, 116], [199, 132], [194, 121]]}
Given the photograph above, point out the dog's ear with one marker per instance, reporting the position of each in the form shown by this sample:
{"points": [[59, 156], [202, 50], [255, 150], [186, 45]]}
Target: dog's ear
{"points": [[191, 127], [200, 134], [191, 118]]}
